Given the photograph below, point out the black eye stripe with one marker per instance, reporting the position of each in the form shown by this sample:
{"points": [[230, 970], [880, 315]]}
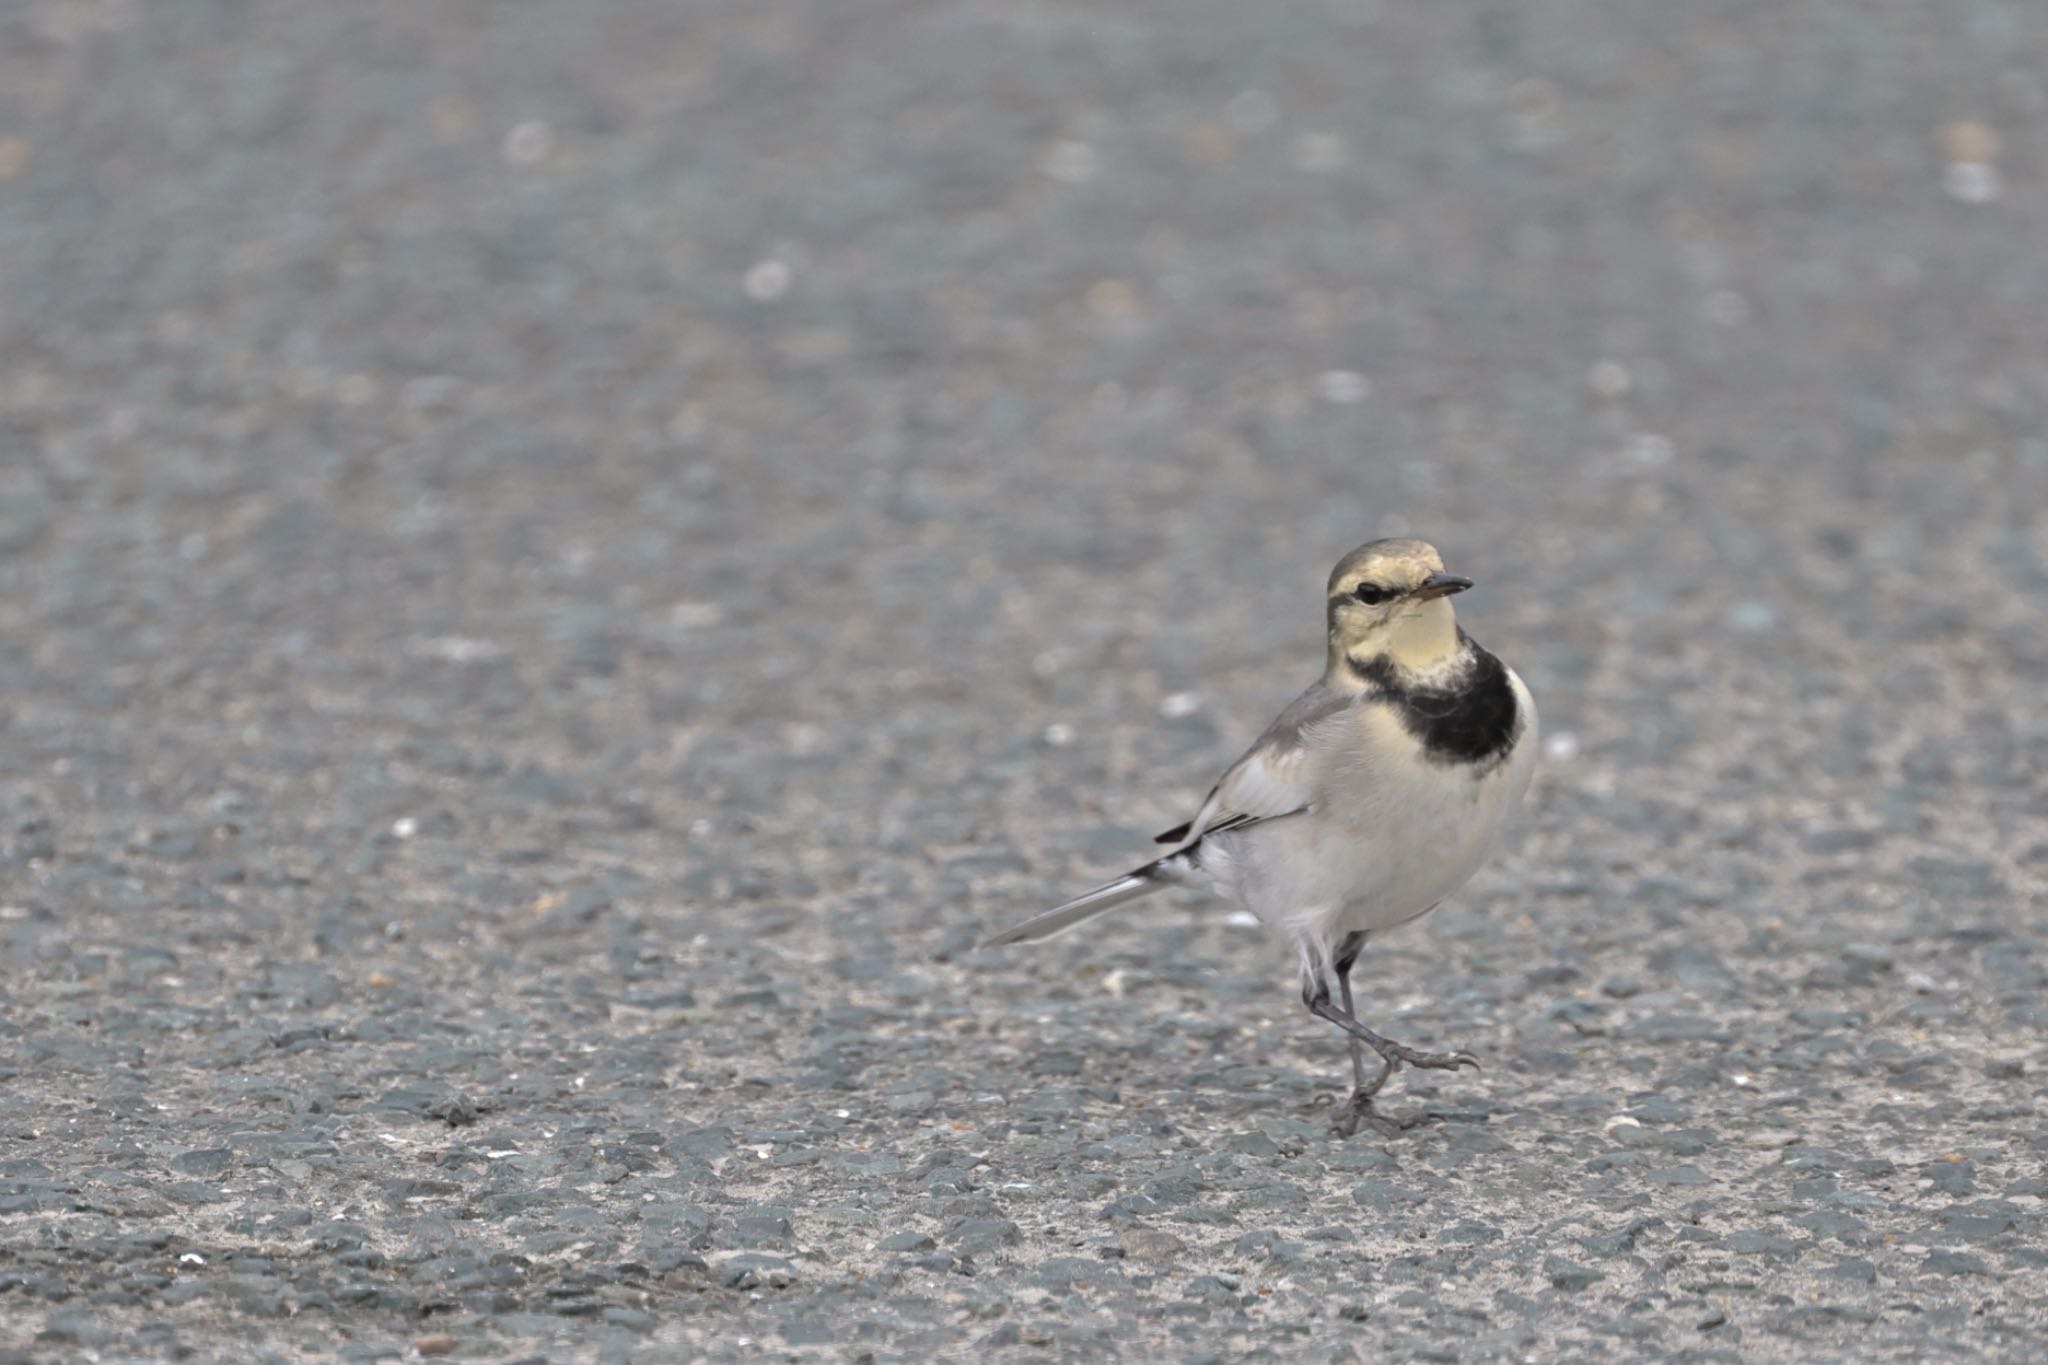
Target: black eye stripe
{"points": [[1372, 594]]}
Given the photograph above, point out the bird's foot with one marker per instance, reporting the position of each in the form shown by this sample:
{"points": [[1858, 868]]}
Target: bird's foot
{"points": [[1361, 1113], [1428, 1061]]}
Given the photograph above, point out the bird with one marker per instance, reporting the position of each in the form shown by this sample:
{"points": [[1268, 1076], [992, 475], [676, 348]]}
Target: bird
{"points": [[1375, 795]]}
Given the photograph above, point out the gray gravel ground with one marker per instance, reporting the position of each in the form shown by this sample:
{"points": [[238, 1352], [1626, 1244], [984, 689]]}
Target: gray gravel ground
{"points": [[560, 563]]}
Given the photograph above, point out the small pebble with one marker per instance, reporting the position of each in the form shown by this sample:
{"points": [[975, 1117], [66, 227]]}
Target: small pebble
{"points": [[1150, 1244], [767, 281], [1070, 162], [1342, 387], [528, 144], [1609, 379], [1751, 618]]}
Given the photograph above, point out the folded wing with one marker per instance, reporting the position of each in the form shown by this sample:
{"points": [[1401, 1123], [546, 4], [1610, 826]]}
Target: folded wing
{"points": [[1276, 776]]}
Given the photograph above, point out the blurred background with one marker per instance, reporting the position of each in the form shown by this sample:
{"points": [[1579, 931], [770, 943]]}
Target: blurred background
{"points": [[630, 525], [761, 413]]}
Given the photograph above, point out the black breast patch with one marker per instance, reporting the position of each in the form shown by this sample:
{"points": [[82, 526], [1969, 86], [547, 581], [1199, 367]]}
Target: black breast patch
{"points": [[1473, 720]]}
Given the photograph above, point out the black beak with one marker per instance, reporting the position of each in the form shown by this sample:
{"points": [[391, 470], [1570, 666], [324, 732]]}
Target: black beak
{"points": [[1442, 585]]}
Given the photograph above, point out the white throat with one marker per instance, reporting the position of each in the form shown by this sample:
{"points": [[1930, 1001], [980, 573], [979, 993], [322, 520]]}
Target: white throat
{"points": [[1420, 642], [1425, 639]]}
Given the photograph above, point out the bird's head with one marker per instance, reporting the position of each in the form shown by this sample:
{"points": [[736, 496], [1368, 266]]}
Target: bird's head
{"points": [[1389, 601]]}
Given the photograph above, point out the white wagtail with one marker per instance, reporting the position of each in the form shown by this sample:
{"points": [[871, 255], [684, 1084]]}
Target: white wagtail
{"points": [[1371, 798]]}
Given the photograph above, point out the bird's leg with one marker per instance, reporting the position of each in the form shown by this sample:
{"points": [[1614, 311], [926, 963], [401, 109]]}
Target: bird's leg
{"points": [[1360, 1112], [1362, 1089]]}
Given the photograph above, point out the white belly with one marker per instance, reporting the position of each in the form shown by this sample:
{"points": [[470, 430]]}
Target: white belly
{"points": [[1394, 833]]}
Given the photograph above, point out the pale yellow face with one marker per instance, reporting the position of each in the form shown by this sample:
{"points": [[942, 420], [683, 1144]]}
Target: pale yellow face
{"points": [[1387, 595]]}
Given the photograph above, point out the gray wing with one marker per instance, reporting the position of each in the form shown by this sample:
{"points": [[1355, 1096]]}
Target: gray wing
{"points": [[1277, 775]]}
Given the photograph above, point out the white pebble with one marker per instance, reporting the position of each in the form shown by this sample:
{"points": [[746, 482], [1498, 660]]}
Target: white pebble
{"points": [[1059, 734], [1752, 618], [1342, 387], [1070, 163], [1321, 153], [695, 615], [527, 144], [1241, 919], [766, 281], [1175, 705], [1609, 379], [1972, 182], [458, 649], [404, 827], [1651, 449], [1562, 745]]}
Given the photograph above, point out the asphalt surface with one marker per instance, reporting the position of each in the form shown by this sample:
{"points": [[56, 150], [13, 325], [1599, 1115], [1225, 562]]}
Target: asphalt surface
{"points": [[560, 564]]}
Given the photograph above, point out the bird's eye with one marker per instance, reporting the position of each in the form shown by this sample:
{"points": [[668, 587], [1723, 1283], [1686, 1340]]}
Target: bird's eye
{"points": [[1372, 594]]}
